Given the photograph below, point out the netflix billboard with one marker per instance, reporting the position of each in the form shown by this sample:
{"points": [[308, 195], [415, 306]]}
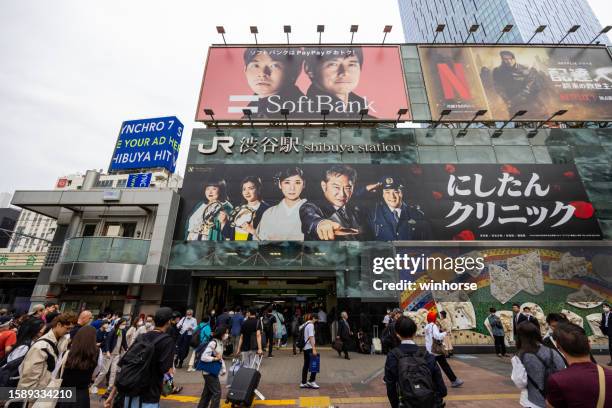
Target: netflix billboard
{"points": [[504, 80], [343, 80]]}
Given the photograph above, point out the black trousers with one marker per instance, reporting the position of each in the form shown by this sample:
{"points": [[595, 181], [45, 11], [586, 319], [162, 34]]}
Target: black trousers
{"points": [[211, 394], [500, 345], [344, 348], [183, 347], [306, 367], [610, 345], [446, 368], [270, 342]]}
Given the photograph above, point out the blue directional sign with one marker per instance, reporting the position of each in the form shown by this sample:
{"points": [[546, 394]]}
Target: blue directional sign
{"points": [[139, 180], [148, 143]]}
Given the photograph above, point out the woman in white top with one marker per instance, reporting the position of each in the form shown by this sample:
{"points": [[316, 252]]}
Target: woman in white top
{"points": [[433, 333], [282, 221], [245, 226], [211, 394]]}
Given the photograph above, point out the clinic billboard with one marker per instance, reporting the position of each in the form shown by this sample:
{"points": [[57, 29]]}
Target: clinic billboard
{"points": [[504, 80], [344, 80], [147, 143], [385, 202]]}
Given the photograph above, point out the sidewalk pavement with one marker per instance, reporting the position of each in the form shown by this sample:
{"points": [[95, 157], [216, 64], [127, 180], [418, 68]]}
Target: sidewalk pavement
{"points": [[358, 382]]}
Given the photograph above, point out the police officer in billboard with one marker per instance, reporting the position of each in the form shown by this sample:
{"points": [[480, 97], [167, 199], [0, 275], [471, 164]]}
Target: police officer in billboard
{"points": [[392, 219], [520, 87], [336, 218], [334, 74]]}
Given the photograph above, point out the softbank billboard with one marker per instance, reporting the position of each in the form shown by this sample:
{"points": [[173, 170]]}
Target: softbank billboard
{"points": [[306, 81], [505, 80]]}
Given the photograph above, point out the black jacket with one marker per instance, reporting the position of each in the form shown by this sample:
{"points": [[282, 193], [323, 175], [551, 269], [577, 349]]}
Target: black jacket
{"points": [[344, 332], [411, 225], [607, 331], [311, 215], [392, 375]]}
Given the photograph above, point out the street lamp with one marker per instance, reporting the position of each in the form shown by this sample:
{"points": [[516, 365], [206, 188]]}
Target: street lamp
{"points": [[320, 30], [505, 30], [603, 31], [362, 112], [439, 29], [285, 113], [401, 112], [537, 31], [386, 30], [473, 28], [499, 131], [287, 30], [463, 131], [248, 113], [532, 133], [353, 30], [444, 113], [221, 30], [254, 31], [211, 113], [572, 29]]}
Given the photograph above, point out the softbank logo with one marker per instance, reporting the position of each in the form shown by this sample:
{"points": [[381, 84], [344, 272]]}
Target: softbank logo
{"points": [[225, 142], [242, 98]]}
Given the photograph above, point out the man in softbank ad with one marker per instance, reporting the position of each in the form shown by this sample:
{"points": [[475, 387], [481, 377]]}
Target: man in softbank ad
{"points": [[344, 83]]}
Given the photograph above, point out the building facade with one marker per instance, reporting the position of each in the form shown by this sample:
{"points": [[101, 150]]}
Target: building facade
{"points": [[421, 17]]}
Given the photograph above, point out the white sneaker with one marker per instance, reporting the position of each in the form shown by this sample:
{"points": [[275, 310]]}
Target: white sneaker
{"points": [[190, 370], [313, 385], [93, 389], [304, 385]]}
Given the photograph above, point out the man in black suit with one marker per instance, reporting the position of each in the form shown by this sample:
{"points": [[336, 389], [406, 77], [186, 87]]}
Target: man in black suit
{"points": [[606, 327], [336, 218], [529, 317], [517, 318]]}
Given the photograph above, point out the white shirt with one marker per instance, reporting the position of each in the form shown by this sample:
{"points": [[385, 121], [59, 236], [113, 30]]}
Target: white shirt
{"points": [[386, 320], [308, 332], [253, 207], [281, 223], [322, 316], [432, 332], [397, 211], [187, 324]]}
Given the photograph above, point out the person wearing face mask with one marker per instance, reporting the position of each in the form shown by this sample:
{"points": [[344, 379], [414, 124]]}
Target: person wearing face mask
{"points": [[606, 327], [137, 321], [114, 348], [212, 357], [186, 326]]}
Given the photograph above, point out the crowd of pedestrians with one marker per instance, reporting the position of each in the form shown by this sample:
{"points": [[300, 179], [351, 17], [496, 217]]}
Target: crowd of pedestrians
{"points": [[109, 351]]}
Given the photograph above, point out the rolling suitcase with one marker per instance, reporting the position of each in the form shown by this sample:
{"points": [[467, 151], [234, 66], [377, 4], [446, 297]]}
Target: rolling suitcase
{"points": [[244, 385], [376, 343]]}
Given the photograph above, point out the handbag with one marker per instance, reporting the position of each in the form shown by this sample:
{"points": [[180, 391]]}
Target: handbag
{"points": [[54, 384], [315, 363], [213, 367], [337, 345], [437, 347]]}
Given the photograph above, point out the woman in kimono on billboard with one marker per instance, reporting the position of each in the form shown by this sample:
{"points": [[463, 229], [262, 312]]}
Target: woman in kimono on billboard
{"points": [[209, 220]]}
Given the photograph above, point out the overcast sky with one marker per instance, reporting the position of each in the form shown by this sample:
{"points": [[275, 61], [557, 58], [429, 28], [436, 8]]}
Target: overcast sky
{"points": [[72, 71]]}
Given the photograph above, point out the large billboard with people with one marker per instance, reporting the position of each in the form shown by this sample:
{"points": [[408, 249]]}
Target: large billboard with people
{"points": [[505, 80], [386, 202], [347, 83]]}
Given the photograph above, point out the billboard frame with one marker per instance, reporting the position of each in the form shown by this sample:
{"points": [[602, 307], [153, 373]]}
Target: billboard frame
{"points": [[282, 122], [448, 119]]}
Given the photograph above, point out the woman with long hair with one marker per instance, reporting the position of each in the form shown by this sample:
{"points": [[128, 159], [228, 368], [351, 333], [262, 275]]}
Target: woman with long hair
{"points": [[132, 332], [248, 215], [209, 220], [433, 334], [28, 332], [532, 365], [211, 394], [447, 327], [78, 365]]}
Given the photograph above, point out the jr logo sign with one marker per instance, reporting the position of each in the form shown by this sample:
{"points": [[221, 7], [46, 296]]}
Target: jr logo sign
{"points": [[225, 142]]}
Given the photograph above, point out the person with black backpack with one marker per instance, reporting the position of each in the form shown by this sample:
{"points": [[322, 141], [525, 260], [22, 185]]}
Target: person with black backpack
{"points": [[267, 322], [40, 361], [532, 365], [144, 366], [27, 333], [412, 375]]}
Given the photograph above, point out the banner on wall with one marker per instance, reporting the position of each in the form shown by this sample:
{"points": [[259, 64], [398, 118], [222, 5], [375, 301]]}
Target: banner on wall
{"points": [[345, 81], [504, 80], [386, 202]]}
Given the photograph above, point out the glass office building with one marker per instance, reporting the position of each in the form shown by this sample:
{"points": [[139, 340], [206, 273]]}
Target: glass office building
{"points": [[421, 17]]}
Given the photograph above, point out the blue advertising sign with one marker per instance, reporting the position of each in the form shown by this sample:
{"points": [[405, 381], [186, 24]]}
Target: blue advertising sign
{"points": [[139, 180], [148, 143]]}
